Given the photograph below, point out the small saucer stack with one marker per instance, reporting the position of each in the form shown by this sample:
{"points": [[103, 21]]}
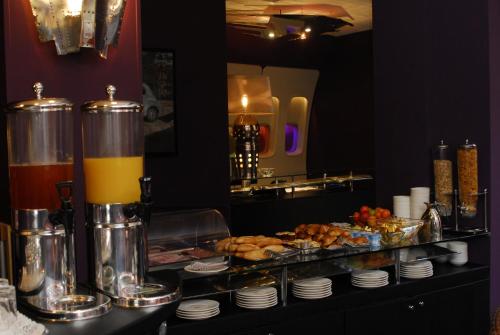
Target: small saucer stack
{"points": [[257, 298], [369, 278], [417, 270], [199, 309], [314, 288]]}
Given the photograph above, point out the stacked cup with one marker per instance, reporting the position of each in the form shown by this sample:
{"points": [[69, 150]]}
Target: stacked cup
{"points": [[418, 199], [461, 257], [401, 206]]}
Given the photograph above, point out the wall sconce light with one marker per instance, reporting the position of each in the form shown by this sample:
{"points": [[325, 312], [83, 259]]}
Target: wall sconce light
{"points": [[75, 24]]}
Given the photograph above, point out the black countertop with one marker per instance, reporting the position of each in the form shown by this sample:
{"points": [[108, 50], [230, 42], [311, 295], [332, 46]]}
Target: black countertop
{"points": [[147, 320]]}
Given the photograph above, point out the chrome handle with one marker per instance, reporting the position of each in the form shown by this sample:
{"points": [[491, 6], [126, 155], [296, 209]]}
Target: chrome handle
{"points": [[421, 303], [411, 307]]}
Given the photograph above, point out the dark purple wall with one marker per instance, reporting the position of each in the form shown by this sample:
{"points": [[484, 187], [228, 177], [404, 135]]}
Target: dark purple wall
{"points": [[197, 176], [494, 48], [431, 83], [78, 77]]}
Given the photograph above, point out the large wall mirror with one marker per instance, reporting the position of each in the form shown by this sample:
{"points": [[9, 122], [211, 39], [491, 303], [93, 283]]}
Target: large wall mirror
{"points": [[302, 70]]}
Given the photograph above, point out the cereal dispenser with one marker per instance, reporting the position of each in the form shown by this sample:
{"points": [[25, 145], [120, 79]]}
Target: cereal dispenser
{"points": [[119, 201], [443, 179], [40, 151], [467, 179]]}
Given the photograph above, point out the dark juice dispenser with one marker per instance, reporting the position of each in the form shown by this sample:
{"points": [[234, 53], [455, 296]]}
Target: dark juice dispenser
{"points": [[118, 202], [40, 152]]}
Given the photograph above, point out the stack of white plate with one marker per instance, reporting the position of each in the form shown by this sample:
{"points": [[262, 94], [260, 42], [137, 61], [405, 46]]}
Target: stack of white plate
{"points": [[314, 288], [417, 270], [257, 298], [369, 278], [199, 309]]}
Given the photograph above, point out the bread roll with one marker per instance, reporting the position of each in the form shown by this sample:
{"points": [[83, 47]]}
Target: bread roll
{"points": [[255, 255], [323, 229], [269, 241], [233, 247], [246, 247], [246, 240], [275, 248]]}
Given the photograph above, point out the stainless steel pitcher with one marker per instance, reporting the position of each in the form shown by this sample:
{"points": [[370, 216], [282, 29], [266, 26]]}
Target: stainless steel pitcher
{"points": [[432, 229]]}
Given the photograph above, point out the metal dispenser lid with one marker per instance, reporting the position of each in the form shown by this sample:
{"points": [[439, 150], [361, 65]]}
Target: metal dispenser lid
{"points": [[468, 145], [442, 146], [40, 104], [110, 104]]}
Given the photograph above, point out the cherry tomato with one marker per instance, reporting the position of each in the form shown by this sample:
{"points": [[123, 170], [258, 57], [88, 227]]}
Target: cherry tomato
{"points": [[386, 213], [364, 217], [372, 221], [356, 216], [372, 212], [364, 209]]}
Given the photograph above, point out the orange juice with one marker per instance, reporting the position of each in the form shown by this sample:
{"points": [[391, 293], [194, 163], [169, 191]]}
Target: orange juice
{"points": [[112, 180]]}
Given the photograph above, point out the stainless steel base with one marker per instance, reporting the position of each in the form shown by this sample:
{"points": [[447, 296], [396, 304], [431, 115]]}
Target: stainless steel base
{"points": [[147, 295], [70, 307]]}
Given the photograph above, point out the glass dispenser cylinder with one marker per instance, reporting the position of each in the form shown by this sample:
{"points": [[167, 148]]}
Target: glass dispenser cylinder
{"points": [[443, 179], [468, 178], [113, 143], [40, 149]]}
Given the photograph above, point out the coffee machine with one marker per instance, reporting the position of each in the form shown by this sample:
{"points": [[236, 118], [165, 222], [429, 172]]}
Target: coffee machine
{"points": [[119, 202], [40, 151]]}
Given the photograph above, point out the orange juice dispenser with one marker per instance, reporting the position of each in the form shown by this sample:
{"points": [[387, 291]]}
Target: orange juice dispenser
{"points": [[40, 151], [118, 201]]}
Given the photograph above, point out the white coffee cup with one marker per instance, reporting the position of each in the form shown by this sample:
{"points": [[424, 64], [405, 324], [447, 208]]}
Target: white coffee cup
{"points": [[461, 257]]}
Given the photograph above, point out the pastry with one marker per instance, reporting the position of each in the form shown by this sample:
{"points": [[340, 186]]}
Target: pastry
{"points": [[255, 255], [275, 247], [246, 247]]}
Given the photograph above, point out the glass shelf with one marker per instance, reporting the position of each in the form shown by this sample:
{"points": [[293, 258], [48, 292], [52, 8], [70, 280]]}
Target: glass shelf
{"points": [[324, 263], [297, 182]]}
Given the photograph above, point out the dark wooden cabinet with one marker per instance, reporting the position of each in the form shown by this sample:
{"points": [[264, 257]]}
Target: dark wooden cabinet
{"points": [[459, 310], [323, 323]]}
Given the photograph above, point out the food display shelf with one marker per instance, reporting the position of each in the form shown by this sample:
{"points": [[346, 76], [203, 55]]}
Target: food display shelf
{"points": [[328, 263]]}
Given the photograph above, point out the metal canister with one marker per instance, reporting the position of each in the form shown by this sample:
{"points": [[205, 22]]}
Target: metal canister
{"points": [[41, 257]]}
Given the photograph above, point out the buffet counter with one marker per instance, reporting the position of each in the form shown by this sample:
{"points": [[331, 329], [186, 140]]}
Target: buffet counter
{"points": [[453, 300]]}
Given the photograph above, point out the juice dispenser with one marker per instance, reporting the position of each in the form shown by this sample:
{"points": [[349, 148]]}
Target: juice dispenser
{"points": [[118, 201], [40, 151]]}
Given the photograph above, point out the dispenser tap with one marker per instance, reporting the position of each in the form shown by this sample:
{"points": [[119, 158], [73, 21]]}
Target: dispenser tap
{"points": [[65, 216], [146, 200]]}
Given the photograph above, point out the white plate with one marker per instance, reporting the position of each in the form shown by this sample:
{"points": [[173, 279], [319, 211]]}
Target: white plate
{"points": [[198, 305], [311, 291], [370, 286], [188, 268], [417, 277], [312, 282], [369, 274], [417, 272], [204, 317], [328, 289], [257, 292], [369, 281], [312, 294], [417, 264], [272, 301], [197, 314], [257, 306], [310, 297], [256, 301]]}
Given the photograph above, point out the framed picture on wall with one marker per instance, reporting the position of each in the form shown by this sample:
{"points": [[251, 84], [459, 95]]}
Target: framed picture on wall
{"points": [[158, 98]]}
